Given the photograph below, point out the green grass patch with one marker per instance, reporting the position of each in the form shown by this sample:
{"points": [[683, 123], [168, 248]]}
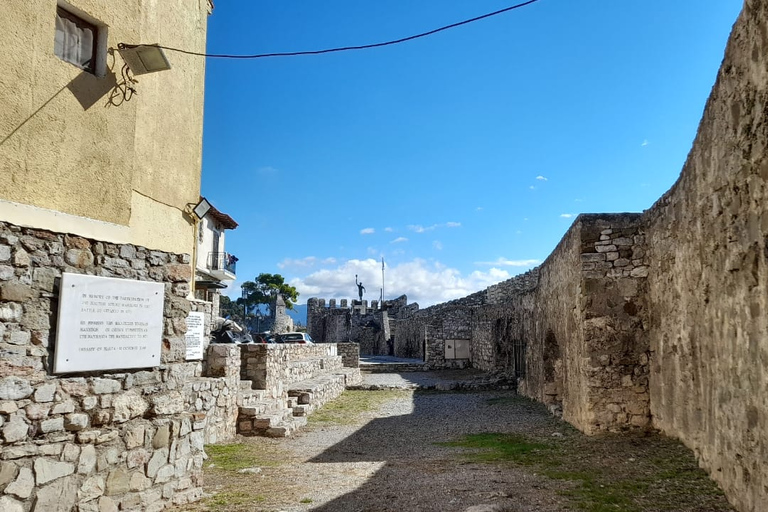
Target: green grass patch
{"points": [[502, 447], [227, 499], [306, 500], [233, 457], [604, 477], [351, 405]]}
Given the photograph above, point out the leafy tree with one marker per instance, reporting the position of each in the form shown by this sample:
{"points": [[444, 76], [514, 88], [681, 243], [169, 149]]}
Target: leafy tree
{"points": [[229, 308], [265, 288]]}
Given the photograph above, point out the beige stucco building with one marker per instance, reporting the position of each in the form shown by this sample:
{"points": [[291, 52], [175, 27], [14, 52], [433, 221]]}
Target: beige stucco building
{"points": [[75, 156]]}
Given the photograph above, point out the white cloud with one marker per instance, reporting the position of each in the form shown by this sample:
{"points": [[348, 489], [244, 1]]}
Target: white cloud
{"points": [[541, 178], [421, 229], [418, 228], [399, 240], [568, 215], [532, 187], [388, 230], [424, 282], [307, 262], [437, 245], [504, 262], [479, 208], [329, 261], [367, 231], [645, 143]]}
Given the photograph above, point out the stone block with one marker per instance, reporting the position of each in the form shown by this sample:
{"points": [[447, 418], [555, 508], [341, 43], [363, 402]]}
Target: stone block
{"points": [[71, 452], [21, 258], [65, 407], [87, 462], [128, 406], [23, 485], [127, 251], [19, 338], [52, 425], [104, 386], [14, 388], [118, 482], [47, 470], [107, 504], [165, 474], [134, 437], [91, 489], [8, 504], [45, 393], [80, 258], [158, 460], [11, 312], [178, 272], [8, 472], [16, 292], [139, 482], [606, 248], [76, 422]]}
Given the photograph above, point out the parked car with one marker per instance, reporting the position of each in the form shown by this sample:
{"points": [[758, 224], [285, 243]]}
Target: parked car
{"points": [[295, 337]]}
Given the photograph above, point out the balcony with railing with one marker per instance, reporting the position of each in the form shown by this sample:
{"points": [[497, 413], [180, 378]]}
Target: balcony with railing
{"points": [[222, 265]]}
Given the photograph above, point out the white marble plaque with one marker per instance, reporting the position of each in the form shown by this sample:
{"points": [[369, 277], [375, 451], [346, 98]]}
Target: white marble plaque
{"points": [[106, 323], [195, 336]]}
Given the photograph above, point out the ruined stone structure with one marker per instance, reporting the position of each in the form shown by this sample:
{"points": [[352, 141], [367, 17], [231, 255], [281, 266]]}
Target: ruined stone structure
{"points": [[657, 319], [374, 328]]}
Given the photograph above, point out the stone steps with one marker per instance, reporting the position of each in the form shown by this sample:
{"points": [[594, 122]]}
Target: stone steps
{"points": [[393, 367], [260, 414]]}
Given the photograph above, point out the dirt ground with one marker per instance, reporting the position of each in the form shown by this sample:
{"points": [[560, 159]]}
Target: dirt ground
{"points": [[406, 450]]}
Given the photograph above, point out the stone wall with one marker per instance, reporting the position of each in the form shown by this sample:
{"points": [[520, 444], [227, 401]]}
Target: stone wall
{"points": [[275, 366], [368, 326], [708, 281], [572, 331], [350, 354], [129, 439]]}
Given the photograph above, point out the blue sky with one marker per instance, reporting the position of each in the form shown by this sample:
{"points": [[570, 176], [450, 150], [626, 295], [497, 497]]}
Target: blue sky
{"points": [[461, 158]]}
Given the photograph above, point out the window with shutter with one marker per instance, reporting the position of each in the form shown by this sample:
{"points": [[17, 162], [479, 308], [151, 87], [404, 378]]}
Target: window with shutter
{"points": [[75, 40]]}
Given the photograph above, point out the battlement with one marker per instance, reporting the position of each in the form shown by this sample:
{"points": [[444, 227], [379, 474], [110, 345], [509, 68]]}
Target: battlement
{"points": [[355, 305]]}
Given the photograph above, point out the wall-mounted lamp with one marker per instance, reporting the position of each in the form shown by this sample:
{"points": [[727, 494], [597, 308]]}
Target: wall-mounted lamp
{"points": [[202, 208], [143, 58]]}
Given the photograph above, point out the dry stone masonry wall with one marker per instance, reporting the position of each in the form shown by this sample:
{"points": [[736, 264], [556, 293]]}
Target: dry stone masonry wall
{"points": [[128, 440]]}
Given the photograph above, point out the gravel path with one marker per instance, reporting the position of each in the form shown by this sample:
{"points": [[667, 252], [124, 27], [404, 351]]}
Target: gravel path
{"points": [[388, 460]]}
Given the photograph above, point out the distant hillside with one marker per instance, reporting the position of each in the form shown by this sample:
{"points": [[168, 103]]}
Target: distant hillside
{"points": [[299, 314]]}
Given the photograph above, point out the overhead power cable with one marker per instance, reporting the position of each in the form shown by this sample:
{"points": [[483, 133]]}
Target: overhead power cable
{"points": [[343, 48]]}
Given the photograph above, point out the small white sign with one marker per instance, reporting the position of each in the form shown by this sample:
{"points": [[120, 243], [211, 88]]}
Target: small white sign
{"points": [[106, 323], [195, 336]]}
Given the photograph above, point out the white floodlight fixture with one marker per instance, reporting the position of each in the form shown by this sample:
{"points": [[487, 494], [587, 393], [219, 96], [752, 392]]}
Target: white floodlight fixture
{"points": [[144, 58], [202, 208]]}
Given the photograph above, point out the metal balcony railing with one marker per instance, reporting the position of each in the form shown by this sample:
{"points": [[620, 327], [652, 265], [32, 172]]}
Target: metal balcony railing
{"points": [[222, 261]]}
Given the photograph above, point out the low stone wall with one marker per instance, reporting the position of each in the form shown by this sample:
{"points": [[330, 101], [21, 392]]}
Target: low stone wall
{"points": [[350, 354], [98, 441], [274, 366]]}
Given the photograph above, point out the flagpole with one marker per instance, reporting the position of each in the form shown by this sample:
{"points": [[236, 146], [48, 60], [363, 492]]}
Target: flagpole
{"points": [[382, 280]]}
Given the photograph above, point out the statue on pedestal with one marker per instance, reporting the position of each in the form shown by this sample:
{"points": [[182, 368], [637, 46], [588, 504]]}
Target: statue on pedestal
{"points": [[360, 288]]}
